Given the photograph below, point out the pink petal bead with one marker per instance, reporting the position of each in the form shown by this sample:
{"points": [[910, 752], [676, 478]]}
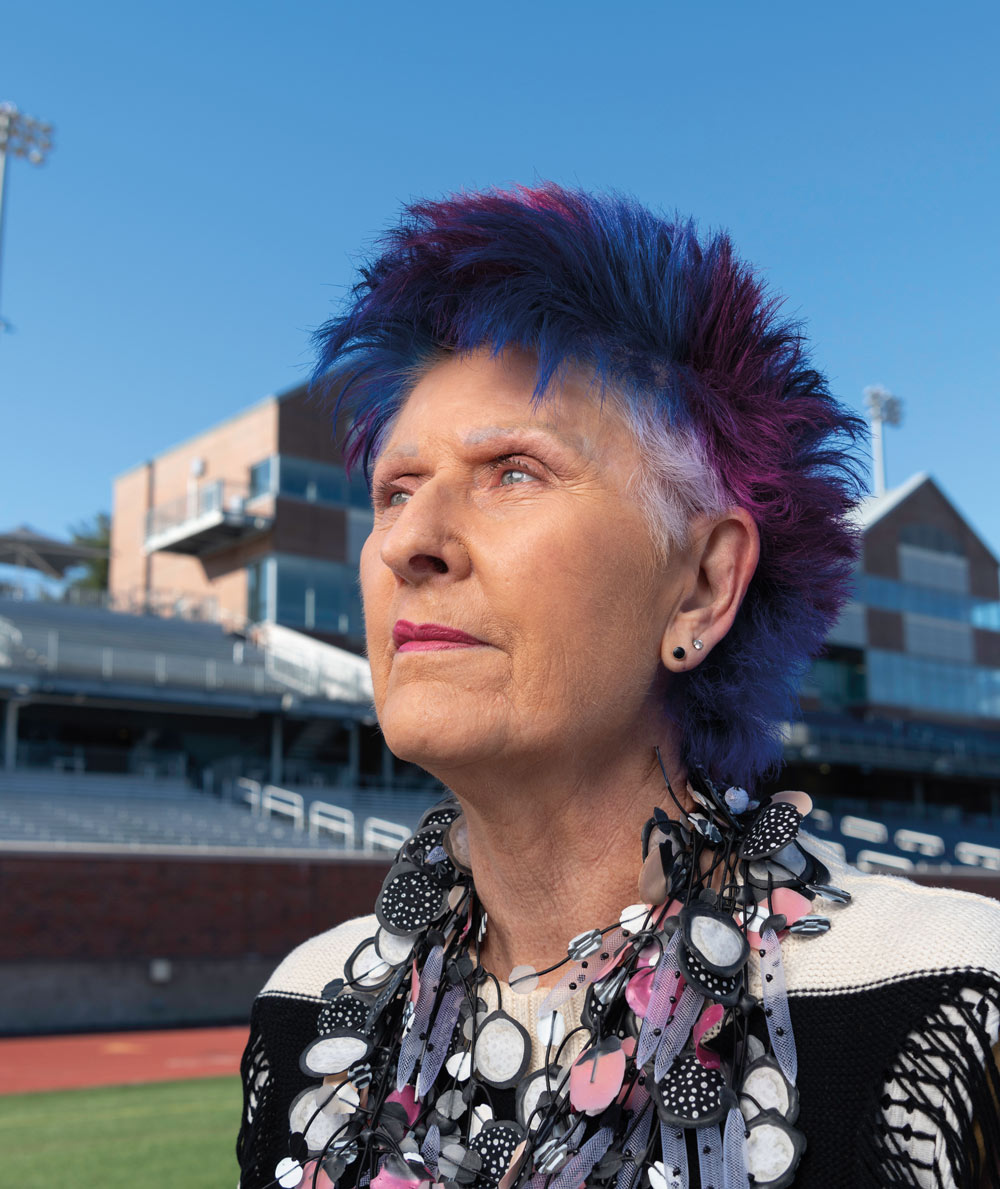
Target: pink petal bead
{"points": [[792, 906], [638, 990], [708, 1019], [315, 1170], [595, 1079], [407, 1099]]}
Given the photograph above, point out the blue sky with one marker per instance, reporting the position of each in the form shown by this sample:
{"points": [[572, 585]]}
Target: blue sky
{"points": [[219, 167]]}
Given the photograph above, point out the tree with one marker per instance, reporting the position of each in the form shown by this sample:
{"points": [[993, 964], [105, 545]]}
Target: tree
{"points": [[96, 534]]}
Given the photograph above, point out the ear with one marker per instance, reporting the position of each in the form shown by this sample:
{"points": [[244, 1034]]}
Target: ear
{"points": [[723, 556]]}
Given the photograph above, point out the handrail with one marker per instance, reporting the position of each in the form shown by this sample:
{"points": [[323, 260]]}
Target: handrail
{"points": [[379, 834], [284, 802], [332, 819]]}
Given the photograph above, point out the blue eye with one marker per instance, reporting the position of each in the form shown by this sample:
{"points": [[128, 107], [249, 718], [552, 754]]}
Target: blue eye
{"points": [[509, 477], [397, 498]]}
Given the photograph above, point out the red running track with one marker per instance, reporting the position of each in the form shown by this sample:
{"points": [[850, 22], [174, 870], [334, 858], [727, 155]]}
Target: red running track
{"points": [[118, 1058]]}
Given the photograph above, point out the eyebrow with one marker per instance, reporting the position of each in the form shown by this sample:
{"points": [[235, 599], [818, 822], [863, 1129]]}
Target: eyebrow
{"points": [[490, 432]]}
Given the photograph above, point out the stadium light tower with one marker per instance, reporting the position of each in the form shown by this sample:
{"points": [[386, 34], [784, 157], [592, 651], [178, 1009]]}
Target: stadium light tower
{"points": [[883, 409], [20, 136]]}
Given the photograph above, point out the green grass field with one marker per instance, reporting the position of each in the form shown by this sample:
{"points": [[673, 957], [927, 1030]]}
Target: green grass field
{"points": [[171, 1135]]}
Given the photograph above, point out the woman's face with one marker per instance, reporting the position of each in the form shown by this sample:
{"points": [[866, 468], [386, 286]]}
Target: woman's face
{"points": [[514, 526]]}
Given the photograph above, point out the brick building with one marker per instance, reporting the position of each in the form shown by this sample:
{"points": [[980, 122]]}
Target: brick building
{"points": [[253, 519], [905, 704]]}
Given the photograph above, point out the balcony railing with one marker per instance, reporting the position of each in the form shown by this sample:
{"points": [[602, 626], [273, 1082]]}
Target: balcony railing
{"points": [[211, 515]]}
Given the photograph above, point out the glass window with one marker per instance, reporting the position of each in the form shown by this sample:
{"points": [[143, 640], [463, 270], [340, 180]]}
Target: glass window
{"points": [[933, 537], [837, 683], [897, 679], [253, 592], [317, 482], [851, 628], [359, 494], [322, 483], [262, 477], [294, 478], [292, 586], [319, 595], [942, 638], [928, 567], [924, 600], [359, 525], [258, 593]]}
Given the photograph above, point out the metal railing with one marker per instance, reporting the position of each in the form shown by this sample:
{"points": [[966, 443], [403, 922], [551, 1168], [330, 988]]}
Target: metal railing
{"points": [[268, 800], [312, 667], [213, 498], [164, 603], [57, 652]]}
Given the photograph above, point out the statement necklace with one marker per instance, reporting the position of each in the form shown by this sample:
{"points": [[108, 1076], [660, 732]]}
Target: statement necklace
{"points": [[425, 1083]]}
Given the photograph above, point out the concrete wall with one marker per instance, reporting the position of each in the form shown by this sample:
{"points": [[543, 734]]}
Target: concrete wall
{"points": [[109, 942]]}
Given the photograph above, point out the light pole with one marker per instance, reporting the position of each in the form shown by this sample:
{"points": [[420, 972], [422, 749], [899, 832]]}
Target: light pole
{"points": [[883, 409], [21, 136]]}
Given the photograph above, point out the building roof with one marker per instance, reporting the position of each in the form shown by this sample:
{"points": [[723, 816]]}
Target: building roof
{"points": [[874, 507], [871, 510]]}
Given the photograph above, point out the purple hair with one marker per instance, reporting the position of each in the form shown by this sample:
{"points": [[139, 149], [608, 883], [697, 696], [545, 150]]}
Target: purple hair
{"points": [[684, 334]]}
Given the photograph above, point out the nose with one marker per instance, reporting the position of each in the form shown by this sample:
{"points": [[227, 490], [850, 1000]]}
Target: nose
{"points": [[424, 543]]}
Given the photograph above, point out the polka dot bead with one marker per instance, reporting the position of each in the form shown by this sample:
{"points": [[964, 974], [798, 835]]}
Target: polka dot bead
{"points": [[346, 1011], [775, 827], [440, 815], [715, 986], [495, 1144], [410, 899], [690, 1095], [417, 848]]}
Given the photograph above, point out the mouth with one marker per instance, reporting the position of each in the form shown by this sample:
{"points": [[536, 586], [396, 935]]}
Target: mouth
{"points": [[430, 637]]}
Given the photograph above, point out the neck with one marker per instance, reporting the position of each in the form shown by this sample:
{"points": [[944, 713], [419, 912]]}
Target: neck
{"points": [[552, 860]]}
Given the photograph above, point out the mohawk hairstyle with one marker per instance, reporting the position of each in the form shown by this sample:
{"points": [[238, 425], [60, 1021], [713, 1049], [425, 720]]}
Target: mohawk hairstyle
{"points": [[687, 339]]}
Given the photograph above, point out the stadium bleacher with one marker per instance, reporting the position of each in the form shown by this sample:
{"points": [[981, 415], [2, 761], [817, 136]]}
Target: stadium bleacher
{"points": [[54, 810], [59, 638]]}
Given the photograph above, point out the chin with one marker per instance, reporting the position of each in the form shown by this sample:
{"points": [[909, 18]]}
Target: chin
{"points": [[434, 739]]}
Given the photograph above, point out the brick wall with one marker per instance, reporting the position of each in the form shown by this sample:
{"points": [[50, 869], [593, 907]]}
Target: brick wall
{"points": [[228, 450], [62, 907], [78, 934]]}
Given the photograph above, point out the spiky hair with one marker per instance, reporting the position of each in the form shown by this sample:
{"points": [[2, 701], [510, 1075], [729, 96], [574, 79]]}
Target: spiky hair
{"points": [[687, 337]]}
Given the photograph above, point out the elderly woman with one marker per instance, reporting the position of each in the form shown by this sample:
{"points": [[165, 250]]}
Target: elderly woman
{"points": [[611, 525]]}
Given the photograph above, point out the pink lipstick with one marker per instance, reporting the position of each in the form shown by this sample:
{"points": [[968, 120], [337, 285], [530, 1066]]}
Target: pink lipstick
{"points": [[430, 637]]}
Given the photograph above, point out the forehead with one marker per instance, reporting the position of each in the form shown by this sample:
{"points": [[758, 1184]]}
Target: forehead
{"points": [[477, 397]]}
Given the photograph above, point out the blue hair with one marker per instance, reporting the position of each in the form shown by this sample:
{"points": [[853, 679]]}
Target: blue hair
{"points": [[687, 336]]}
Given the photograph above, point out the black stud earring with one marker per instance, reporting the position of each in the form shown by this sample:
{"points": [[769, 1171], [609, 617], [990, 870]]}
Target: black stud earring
{"points": [[679, 653]]}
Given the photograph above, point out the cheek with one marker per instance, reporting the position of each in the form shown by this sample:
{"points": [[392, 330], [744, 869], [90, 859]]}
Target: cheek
{"points": [[588, 601], [373, 576], [369, 572]]}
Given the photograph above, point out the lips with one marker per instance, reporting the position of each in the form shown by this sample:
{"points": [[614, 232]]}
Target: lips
{"points": [[430, 637]]}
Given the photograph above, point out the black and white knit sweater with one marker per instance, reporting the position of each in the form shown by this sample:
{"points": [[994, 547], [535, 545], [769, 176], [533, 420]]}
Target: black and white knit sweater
{"points": [[896, 1013]]}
